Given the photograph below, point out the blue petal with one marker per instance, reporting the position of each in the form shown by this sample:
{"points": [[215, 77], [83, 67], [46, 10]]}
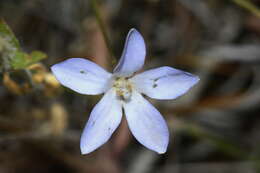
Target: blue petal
{"points": [[133, 55], [103, 121], [164, 82], [146, 123], [82, 76]]}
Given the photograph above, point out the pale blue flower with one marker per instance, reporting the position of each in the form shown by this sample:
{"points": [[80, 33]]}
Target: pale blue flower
{"points": [[123, 90]]}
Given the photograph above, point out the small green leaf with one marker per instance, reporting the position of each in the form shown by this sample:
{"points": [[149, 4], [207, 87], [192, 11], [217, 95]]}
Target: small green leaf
{"points": [[7, 35], [11, 55], [37, 56], [21, 60]]}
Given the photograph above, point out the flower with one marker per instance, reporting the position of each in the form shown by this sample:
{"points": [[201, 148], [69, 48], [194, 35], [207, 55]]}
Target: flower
{"points": [[123, 90]]}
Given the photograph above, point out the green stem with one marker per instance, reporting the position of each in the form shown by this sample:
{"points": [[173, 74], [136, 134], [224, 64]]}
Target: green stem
{"points": [[248, 6], [100, 22]]}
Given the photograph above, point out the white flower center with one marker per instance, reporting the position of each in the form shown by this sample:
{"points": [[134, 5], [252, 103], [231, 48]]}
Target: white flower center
{"points": [[123, 88]]}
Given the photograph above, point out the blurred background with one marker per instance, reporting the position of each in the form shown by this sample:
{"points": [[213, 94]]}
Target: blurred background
{"points": [[215, 127]]}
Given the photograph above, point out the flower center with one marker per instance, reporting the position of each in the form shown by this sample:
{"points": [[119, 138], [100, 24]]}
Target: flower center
{"points": [[123, 88]]}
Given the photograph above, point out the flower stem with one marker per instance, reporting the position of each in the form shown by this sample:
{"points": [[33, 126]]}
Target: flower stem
{"points": [[249, 6], [100, 22]]}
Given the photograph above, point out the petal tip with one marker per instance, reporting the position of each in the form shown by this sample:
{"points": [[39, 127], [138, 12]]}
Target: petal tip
{"points": [[53, 68], [83, 152], [84, 149], [196, 79], [161, 150], [133, 30], [137, 33]]}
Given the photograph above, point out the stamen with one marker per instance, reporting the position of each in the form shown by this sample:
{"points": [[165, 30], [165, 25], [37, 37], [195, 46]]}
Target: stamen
{"points": [[123, 88]]}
